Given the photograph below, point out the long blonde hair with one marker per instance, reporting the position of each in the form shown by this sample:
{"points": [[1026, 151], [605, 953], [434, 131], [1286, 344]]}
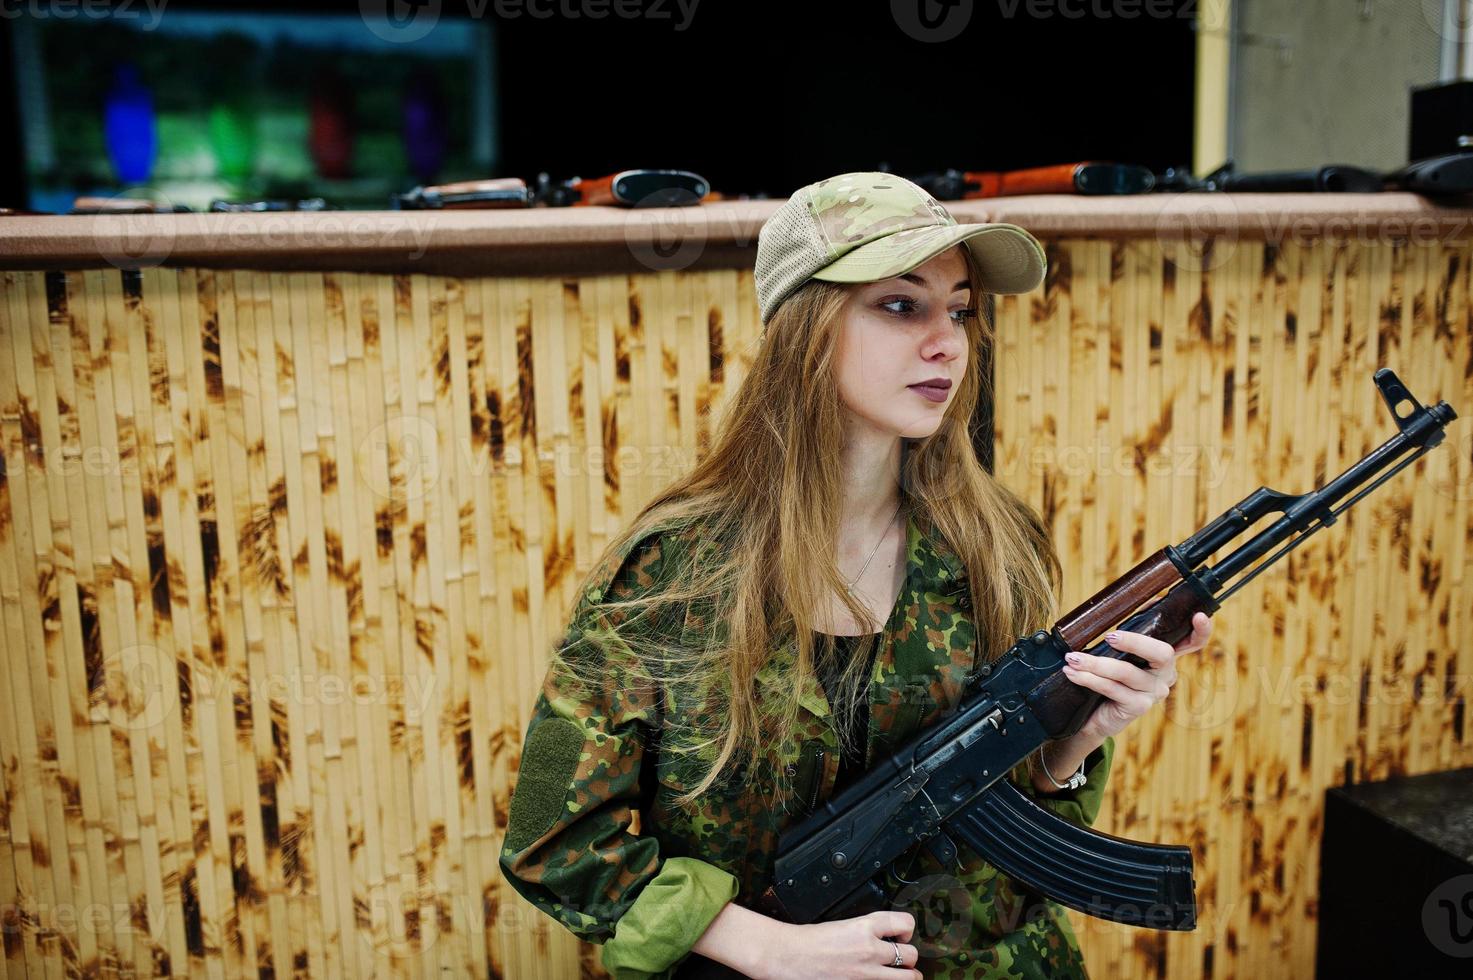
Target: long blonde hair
{"points": [[767, 494]]}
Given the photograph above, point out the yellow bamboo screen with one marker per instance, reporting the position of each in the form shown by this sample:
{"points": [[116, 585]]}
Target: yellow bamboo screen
{"points": [[281, 555], [1202, 379]]}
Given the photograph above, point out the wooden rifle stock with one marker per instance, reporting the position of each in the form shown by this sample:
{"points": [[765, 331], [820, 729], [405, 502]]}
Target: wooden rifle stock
{"points": [[1086, 177], [633, 188], [596, 190], [1058, 179]]}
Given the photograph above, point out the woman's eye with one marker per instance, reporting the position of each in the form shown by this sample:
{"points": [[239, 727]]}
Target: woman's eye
{"points": [[958, 316]]}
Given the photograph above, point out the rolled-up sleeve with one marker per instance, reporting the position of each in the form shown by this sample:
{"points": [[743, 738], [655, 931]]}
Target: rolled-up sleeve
{"points": [[667, 918]]}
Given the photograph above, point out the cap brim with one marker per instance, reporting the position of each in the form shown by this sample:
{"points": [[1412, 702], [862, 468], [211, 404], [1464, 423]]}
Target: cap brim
{"points": [[1012, 260]]}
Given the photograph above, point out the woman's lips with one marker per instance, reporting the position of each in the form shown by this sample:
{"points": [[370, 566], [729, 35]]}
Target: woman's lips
{"points": [[931, 392]]}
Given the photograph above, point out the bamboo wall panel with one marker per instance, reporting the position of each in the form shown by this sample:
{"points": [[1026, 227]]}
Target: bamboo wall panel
{"points": [[281, 556]]}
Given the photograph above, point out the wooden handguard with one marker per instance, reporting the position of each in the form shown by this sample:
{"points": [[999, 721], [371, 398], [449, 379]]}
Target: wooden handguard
{"points": [[1061, 706], [1119, 599]]}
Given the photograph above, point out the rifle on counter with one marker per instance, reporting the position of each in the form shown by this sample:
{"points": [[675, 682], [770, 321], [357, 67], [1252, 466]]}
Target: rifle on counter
{"points": [[625, 188], [1094, 177], [947, 782], [1448, 174], [499, 192], [222, 206], [1333, 178], [124, 205]]}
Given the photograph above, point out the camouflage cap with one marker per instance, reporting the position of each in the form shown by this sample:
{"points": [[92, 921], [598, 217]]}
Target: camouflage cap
{"points": [[870, 225]]}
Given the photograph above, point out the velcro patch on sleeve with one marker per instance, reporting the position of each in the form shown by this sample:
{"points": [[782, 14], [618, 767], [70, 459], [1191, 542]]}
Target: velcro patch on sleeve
{"points": [[549, 762]]}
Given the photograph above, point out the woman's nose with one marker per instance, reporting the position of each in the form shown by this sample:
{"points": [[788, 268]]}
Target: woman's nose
{"points": [[944, 334]]}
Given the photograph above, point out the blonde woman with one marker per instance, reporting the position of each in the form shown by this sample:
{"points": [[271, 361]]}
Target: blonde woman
{"points": [[816, 590]]}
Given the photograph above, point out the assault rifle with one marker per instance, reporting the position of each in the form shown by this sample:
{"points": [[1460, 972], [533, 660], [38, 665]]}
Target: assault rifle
{"points": [[946, 783], [1087, 177], [624, 188], [1447, 175], [1331, 178]]}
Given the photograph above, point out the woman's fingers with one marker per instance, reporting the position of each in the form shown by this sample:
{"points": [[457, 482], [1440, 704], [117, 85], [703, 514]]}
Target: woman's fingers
{"points": [[1201, 630], [888, 925], [1128, 675], [895, 927], [1158, 653], [908, 954], [1132, 700], [1132, 689]]}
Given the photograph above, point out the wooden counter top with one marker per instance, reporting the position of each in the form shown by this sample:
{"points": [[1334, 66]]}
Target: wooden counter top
{"points": [[588, 240]]}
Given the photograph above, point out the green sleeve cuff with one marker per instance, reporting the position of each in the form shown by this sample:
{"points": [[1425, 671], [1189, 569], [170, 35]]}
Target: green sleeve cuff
{"points": [[1082, 805], [670, 913]]}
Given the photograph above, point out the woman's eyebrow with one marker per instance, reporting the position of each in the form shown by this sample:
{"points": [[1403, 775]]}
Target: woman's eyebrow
{"points": [[921, 281]]}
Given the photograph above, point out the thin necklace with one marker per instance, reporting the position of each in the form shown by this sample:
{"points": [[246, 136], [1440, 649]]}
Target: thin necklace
{"points": [[849, 587]]}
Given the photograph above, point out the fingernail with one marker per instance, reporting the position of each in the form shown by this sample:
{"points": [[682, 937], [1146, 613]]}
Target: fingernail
{"points": [[1073, 658], [1111, 636]]}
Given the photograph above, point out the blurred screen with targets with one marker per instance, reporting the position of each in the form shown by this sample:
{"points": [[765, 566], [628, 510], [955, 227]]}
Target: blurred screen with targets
{"points": [[206, 104]]}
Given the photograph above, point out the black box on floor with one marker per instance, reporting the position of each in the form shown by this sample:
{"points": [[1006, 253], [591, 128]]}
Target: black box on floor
{"points": [[1396, 878]]}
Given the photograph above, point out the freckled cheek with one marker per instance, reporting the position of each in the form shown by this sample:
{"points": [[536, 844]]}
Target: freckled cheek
{"points": [[875, 359]]}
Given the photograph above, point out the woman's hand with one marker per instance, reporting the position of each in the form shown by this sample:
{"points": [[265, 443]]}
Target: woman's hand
{"points": [[764, 948], [845, 949], [1130, 691]]}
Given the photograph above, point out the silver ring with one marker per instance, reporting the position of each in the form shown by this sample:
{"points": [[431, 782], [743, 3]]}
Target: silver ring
{"points": [[898, 961]]}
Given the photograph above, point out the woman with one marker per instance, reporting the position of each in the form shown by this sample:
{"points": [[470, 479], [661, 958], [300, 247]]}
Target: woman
{"points": [[814, 592]]}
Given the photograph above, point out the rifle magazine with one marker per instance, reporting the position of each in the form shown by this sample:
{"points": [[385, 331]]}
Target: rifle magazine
{"points": [[1131, 882]]}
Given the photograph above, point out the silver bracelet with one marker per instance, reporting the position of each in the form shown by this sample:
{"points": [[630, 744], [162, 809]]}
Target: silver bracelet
{"points": [[1076, 780]]}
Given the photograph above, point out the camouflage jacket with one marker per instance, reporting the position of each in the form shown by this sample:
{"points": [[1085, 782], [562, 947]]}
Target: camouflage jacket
{"points": [[586, 776]]}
